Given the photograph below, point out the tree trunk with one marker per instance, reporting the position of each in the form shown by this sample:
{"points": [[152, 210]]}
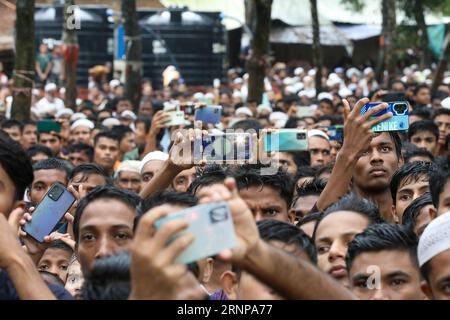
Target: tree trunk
{"points": [[258, 59], [422, 27], [70, 54], [381, 63], [24, 60], [133, 52], [317, 50], [390, 40], [442, 65]]}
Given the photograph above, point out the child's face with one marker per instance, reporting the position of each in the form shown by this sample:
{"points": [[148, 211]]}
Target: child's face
{"points": [[74, 279]]}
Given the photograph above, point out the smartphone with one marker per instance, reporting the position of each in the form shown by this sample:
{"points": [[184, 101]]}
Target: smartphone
{"points": [[209, 114], [176, 118], [305, 112], [212, 226], [48, 126], [56, 202], [399, 120], [336, 132], [224, 148], [286, 140], [187, 108]]}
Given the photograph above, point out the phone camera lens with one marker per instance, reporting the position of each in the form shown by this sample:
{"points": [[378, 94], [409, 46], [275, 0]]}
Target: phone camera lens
{"points": [[400, 108], [301, 136]]}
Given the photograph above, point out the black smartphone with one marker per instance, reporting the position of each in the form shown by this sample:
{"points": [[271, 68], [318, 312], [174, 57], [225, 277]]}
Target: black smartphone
{"points": [[393, 96], [56, 202]]}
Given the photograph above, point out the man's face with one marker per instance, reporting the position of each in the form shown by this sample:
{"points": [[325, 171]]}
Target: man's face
{"points": [[77, 158], [183, 180], [286, 161], [14, 133], [106, 228], [443, 122], [335, 147], [128, 142], [43, 180], [29, 136], [444, 199], [140, 133], [423, 219], [145, 109], [81, 134], [426, 140], [89, 182], [376, 165], [303, 205], [106, 153], [129, 180], [74, 280], [51, 141], [333, 235], [7, 192], [438, 283], [265, 203], [423, 96], [124, 105], [149, 170], [55, 261], [407, 192], [399, 277], [319, 149]]}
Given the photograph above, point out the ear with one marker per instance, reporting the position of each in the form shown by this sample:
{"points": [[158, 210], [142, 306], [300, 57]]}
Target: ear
{"points": [[401, 161], [433, 213], [426, 289], [209, 269], [292, 216], [394, 214], [229, 284]]}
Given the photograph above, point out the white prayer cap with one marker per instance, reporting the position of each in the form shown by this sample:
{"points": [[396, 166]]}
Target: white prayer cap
{"points": [[244, 110], [238, 81], [82, 122], [367, 71], [345, 92], [446, 103], [128, 114], [111, 122], [64, 112], [129, 165], [298, 71], [154, 155], [114, 83], [288, 81], [446, 80], [290, 90], [246, 76], [325, 95], [279, 119], [198, 95], [312, 72], [50, 87], [263, 107], [351, 72], [317, 132], [435, 239], [77, 115]]}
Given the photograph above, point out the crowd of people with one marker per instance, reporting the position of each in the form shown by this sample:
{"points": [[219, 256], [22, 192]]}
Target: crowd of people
{"points": [[357, 215]]}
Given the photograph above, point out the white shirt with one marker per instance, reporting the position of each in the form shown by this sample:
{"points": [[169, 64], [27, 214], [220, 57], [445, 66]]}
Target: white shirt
{"points": [[44, 106]]}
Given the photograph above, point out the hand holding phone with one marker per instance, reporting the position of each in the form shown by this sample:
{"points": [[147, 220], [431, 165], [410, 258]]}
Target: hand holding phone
{"points": [[52, 208], [399, 120], [212, 226]]}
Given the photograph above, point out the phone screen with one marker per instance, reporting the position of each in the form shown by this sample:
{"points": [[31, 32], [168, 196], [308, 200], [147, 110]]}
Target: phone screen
{"points": [[49, 212]]}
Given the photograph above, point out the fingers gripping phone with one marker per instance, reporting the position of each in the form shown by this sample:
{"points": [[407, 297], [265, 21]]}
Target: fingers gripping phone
{"points": [[212, 226], [52, 208]]}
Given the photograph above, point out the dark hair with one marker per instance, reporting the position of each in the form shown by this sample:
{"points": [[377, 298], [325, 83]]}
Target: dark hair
{"points": [[82, 147], [301, 158], [313, 188], [413, 210], [247, 176], [417, 152], [274, 230], [209, 175], [28, 123], [168, 197], [39, 148], [88, 169], [109, 279], [438, 179], [305, 171], [106, 134], [11, 123], [332, 119], [327, 101], [422, 112], [351, 202], [128, 198], [323, 169], [409, 172], [380, 237], [247, 124], [397, 143], [420, 87], [54, 163], [441, 111], [146, 121], [424, 125], [121, 131], [16, 164], [59, 244], [291, 122], [315, 216]]}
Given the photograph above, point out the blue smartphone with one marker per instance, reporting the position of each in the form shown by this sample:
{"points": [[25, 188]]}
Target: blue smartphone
{"points": [[224, 148], [336, 132], [212, 226], [399, 120], [209, 114], [286, 140], [56, 202]]}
